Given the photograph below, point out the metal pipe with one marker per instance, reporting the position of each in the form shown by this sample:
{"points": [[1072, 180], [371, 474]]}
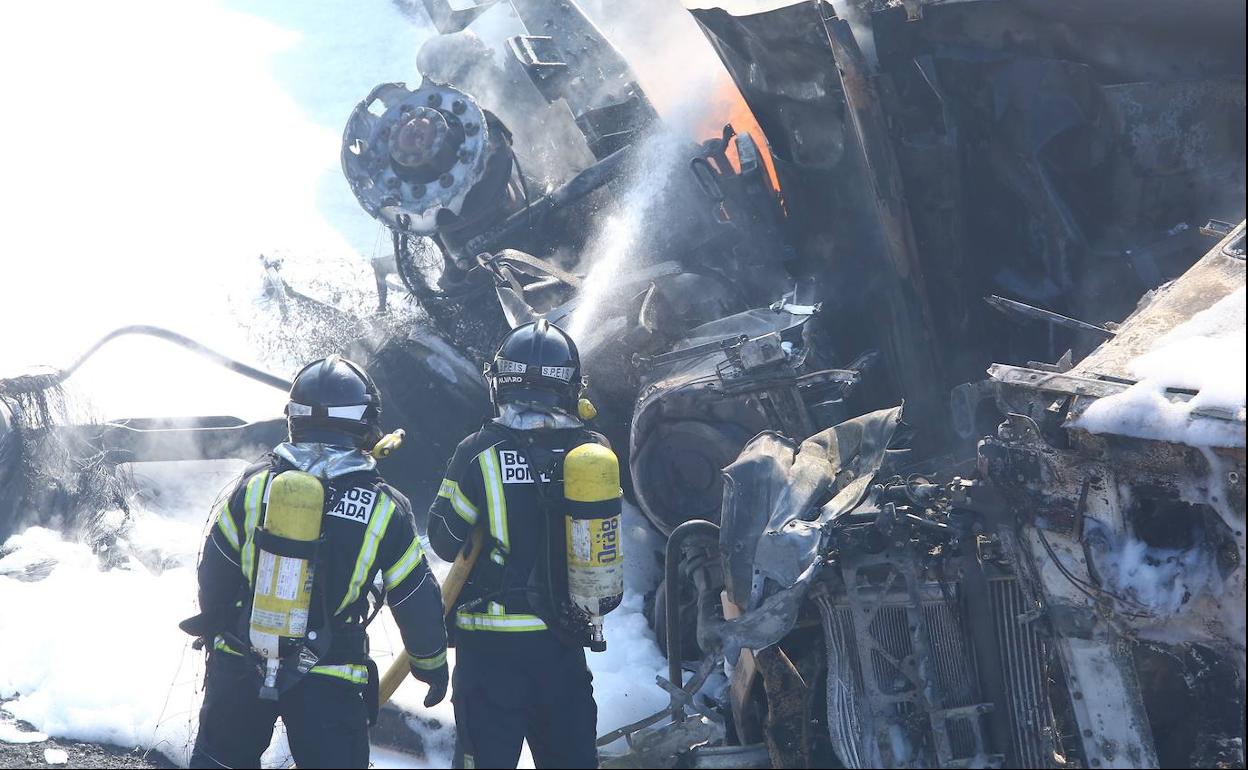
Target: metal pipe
{"points": [[35, 382], [671, 596], [581, 185]]}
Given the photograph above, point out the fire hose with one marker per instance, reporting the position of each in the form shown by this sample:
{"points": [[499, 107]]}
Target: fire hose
{"points": [[454, 583], [30, 383]]}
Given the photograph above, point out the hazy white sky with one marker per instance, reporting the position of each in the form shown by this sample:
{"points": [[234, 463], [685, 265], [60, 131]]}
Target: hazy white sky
{"points": [[153, 150]]}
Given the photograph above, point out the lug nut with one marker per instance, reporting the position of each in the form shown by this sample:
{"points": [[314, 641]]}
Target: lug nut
{"points": [[471, 129], [418, 190], [434, 100], [459, 107], [446, 180]]}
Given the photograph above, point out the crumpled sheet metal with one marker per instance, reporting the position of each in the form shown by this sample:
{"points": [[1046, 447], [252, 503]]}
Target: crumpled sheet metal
{"points": [[772, 521]]}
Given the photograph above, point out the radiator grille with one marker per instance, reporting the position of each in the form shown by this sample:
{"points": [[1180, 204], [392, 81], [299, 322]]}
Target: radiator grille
{"points": [[1024, 656], [955, 672]]}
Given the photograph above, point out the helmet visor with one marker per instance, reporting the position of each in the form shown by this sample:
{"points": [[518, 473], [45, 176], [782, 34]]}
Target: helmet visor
{"points": [[348, 412]]}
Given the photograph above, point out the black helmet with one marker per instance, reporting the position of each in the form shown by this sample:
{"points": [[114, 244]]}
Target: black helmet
{"points": [[334, 401], [537, 363]]}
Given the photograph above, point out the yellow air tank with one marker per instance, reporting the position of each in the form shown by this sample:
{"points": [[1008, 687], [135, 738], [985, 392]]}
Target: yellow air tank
{"points": [[591, 487], [283, 590]]}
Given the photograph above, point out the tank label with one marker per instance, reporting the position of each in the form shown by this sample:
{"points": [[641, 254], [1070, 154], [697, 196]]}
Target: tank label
{"points": [[594, 542], [298, 622], [355, 505], [269, 620], [289, 574], [264, 573], [595, 563]]}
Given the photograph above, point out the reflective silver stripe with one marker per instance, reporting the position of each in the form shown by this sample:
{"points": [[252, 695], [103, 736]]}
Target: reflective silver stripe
{"points": [[404, 566], [225, 523], [459, 501], [479, 621], [496, 499], [368, 552], [429, 663], [256, 491], [352, 412], [351, 672]]}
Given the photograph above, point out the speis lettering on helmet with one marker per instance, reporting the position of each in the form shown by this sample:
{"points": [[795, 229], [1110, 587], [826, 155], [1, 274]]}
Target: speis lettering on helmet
{"points": [[355, 505], [503, 366], [563, 373]]}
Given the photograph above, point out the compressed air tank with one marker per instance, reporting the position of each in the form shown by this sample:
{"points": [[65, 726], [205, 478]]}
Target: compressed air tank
{"points": [[591, 487], [283, 592]]}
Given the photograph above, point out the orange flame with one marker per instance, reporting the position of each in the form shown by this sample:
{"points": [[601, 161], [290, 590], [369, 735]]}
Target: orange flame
{"points": [[728, 106]]}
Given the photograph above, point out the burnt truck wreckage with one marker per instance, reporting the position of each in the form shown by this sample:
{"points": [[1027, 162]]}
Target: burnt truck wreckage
{"points": [[951, 590]]}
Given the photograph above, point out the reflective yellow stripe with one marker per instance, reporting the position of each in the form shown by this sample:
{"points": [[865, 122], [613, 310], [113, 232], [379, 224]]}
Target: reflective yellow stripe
{"points": [[219, 644], [404, 566], [480, 621], [430, 663], [459, 501], [496, 500], [368, 552], [225, 523], [255, 492], [353, 672], [356, 674]]}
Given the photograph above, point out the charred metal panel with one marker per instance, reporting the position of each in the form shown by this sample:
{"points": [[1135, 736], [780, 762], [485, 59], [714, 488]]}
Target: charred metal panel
{"points": [[804, 77], [10, 470]]}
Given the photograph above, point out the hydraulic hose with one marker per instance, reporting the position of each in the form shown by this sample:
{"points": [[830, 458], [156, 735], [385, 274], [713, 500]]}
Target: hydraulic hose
{"points": [[455, 579], [671, 596], [34, 382]]}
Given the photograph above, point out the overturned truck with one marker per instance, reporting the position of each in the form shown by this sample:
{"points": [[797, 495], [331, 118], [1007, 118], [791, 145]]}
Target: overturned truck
{"points": [[1075, 597]]}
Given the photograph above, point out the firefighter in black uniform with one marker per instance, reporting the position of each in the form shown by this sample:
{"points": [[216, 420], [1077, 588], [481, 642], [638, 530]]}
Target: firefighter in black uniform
{"points": [[367, 528], [520, 670]]}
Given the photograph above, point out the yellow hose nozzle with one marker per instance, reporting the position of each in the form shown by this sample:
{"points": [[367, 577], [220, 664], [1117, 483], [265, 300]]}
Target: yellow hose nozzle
{"points": [[388, 443]]}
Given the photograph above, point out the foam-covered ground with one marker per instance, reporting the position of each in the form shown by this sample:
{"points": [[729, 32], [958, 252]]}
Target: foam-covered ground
{"points": [[95, 655]]}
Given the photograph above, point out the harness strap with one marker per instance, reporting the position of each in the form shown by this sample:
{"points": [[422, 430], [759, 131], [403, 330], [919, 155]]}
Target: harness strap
{"points": [[284, 546]]}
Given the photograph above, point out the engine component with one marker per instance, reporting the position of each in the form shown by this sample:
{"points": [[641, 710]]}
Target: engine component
{"points": [[591, 484], [700, 404], [414, 157], [285, 569]]}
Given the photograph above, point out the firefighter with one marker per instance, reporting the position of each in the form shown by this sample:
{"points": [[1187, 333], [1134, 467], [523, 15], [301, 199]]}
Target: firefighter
{"points": [[520, 670], [326, 693]]}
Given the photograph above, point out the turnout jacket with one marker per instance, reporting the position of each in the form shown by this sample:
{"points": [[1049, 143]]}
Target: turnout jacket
{"points": [[367, 528], [490, 483]]}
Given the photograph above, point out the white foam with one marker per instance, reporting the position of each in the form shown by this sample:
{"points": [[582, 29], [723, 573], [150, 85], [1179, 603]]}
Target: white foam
{"points": [[11, 733], [56, 756], [1205, 354]]}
